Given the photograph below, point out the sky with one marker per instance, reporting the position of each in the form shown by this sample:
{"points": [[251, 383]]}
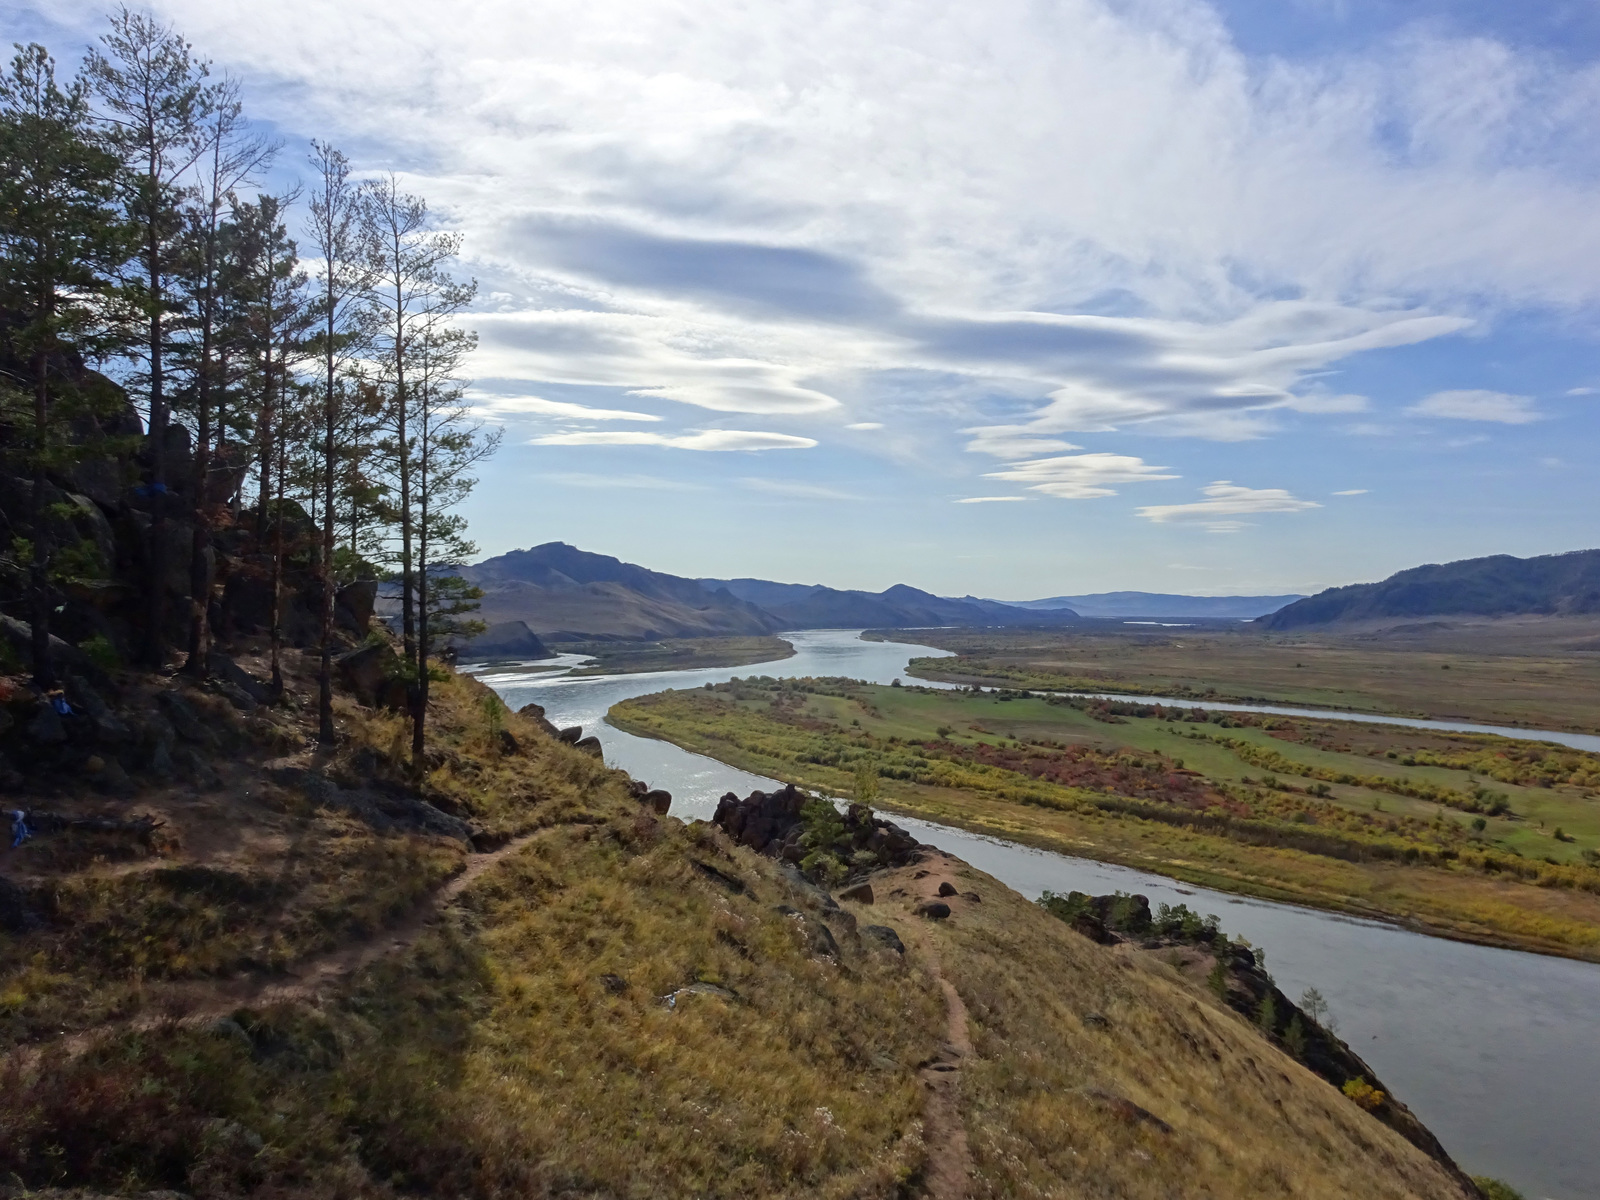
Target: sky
{"points": [[1015, 299]]}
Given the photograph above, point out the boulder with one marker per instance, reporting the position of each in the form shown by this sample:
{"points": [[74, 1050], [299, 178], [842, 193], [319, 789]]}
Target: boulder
{"points": [[590, 745], [885, 937], [373, 674], [860, 894], [658, 799], [571, 735], [224, 668], [938, 910], [947, 888], [535, 713], [353, 604]]}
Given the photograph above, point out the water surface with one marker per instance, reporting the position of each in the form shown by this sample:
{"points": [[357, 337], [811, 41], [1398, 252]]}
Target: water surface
{"points": [[1497, 1051]]}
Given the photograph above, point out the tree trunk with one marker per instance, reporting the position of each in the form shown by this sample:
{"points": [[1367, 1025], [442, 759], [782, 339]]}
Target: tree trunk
{"points": [[325, 731], [44, 674], [154, 649]]}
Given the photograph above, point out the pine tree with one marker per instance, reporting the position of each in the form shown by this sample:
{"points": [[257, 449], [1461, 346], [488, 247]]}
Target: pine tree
{"points": [[154, 99], [344, 282], [61, 238], [231, 156]]}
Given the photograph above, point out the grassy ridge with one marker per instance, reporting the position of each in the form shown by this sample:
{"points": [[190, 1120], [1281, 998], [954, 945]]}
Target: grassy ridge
{"points": [[1189, 798]]}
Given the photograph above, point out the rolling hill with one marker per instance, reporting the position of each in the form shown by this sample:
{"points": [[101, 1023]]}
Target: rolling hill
{"points": [[813, 606], [1497, 586]]}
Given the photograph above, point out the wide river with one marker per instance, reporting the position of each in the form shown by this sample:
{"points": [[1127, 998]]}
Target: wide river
{"points": [[1496, 1050]]}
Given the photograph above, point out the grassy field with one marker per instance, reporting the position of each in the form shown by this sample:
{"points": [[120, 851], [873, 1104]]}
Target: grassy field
{"points": [[1500, 675], [677, 654], [1464, 835]]}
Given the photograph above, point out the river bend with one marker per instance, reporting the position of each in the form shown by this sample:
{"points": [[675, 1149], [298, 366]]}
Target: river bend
{"points": [[1497, 1051]]}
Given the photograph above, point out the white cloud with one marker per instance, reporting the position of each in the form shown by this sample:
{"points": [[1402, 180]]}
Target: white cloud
{"points": [[989, 499], [1582, 391], [1352, 492], [1011, 441], [488, 404], [1477, 405], [865, 425], [1225, 500], [709, 439], [1080, 476], [799, 491]]}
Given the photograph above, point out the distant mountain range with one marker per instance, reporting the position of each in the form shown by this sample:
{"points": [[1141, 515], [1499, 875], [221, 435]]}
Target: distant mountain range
{"points": [[1498, 586], [813, 606], [1161, 606]]}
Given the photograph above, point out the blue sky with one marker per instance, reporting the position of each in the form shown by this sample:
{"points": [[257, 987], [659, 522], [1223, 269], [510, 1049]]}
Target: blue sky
{"points": [[1018, 299]]}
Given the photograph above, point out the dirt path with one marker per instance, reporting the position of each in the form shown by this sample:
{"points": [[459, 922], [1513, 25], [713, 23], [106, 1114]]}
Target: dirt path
{"points": [[949, 1168], [188, 1003]]}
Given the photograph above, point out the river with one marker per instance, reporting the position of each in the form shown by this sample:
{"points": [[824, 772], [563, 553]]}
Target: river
{"points": [[1497, 1051]]}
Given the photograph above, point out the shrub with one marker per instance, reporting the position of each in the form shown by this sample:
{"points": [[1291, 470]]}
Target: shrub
{"points": [[1363, 1093]]}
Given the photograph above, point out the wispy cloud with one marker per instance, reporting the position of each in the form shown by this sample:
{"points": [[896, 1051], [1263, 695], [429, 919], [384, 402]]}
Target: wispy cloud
{"points": [[489, 404], [989, 499], [799, 491], [1080, 476], [1477, 405], [865, 425], [708, 439], [1352, 492], [1225, 501]]}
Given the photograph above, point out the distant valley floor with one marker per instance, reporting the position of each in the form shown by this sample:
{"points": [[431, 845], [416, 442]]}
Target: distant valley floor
{"points": [[1534, 672]]}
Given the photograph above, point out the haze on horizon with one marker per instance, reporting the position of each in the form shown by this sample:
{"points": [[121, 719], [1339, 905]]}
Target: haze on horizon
{"points": [[1016, 299]]}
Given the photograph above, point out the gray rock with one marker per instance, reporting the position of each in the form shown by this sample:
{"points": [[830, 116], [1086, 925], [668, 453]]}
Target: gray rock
{"points": [[590, 745], [947, 888], [570, 735], [938, 910], [885, 936], [658, 799], [860, 894]]}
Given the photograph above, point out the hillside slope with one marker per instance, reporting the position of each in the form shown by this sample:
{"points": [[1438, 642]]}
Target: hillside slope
{"points": [[813, 606], [1497, 586], [313, 976], [566, 594]]}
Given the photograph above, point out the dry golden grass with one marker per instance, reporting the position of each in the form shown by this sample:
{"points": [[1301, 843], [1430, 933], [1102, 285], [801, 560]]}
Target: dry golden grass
{"points": [[522, 1045], [1041, 1089]]}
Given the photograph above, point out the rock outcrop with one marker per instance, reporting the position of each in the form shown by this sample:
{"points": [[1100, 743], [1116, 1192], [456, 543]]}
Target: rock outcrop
{"points": [[774, 823]]}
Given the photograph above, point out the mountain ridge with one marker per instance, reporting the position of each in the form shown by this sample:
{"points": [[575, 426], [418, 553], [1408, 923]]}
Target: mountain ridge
{"points": [[1498, 585], [1162, 604]]}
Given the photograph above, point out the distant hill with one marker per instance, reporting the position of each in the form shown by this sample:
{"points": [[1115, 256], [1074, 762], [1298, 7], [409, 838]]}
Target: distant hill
{"points": [[562, 593], [1498, 586], [566, 594], [813, 606], [1159, 605]]}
